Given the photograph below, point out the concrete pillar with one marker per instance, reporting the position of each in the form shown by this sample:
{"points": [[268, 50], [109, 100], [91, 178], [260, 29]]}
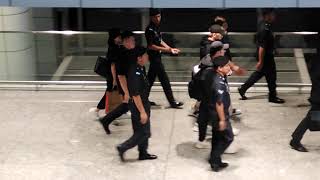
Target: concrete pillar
{"points": [[17, 50]]}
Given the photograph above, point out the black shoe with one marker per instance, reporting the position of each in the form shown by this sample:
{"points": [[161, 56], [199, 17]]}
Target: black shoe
{"points": [[276, 100], [215, 167], [147, 157], [176, 104], [121, 153], [223, 165], [242, 94], [105, 126], [297, 146]]}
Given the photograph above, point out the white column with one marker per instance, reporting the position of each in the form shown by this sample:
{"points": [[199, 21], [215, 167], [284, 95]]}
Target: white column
{"points": [[17, 50]]}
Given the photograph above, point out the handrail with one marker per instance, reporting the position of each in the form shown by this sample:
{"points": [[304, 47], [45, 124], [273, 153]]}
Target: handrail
{"points": [[142, 32]]}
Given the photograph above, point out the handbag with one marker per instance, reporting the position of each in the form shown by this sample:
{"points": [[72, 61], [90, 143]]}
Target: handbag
{"points": [[315, 121], [113, 100], [101, 67]]}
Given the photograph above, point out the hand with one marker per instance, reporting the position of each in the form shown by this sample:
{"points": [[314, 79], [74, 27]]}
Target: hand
{"points": [[240, 71], [259, 66], [126, 98], [114, 84], [143, 118], [175, 51], [222, 125], [217, 36]]}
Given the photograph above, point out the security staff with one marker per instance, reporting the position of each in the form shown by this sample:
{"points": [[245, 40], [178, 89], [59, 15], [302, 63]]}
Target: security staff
{"points": [[266, 65], [156, 46], [126, 59], [314, 112], [140, 108], [220, 104], [217, 49]]}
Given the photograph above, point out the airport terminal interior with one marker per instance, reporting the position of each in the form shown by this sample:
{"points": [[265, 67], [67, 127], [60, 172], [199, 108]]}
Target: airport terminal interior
{"points": [[48, 87]]}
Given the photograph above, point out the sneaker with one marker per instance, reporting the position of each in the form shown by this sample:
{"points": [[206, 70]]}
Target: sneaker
{"points": [[235, 131], [236, 112], [202, 145], [95, 113]]}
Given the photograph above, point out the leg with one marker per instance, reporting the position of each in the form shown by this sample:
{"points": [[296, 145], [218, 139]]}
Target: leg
{"points": [[203, 122], [102, 102], [114, 114], [271, 78], [165, 83], [152, 74], [255, 77]]}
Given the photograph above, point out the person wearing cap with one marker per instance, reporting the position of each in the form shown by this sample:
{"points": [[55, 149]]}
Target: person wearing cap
{"points": [[266, 65], [217, 49], [156, 46], [220, 103], [139, 105], [126, 59], [114, 45], [216, 33]]}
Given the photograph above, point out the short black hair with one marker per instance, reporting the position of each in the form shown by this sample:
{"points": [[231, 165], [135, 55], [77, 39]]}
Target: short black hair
{"points": [[154, 11], [140, 51], [126, 34], [220, 61], [267, 11]]}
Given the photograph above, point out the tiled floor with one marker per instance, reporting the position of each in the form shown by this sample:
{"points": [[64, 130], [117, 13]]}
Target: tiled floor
{"points": [[51, 135]]}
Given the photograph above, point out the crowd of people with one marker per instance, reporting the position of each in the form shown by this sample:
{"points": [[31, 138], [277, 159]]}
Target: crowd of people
{"points": [[128, 76]]}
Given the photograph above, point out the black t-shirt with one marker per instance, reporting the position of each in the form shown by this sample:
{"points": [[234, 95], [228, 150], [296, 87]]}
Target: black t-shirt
{"points": [[265, 38], [126, 59], [153, 37], [221, 93], [138, 84], [112, 57], [315, 79]]}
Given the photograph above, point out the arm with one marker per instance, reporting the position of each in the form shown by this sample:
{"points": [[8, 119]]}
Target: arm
{"points": [[260, 58], [124, 86], [114, 74], [159, 48], [238, 70], [221, 115], [143, 115]]}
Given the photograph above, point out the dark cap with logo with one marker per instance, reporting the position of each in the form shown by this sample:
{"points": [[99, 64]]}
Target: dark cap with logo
{"points": [[217, 46]]}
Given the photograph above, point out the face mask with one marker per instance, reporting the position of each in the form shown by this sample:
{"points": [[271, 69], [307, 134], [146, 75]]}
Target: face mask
{"points": [[229, 73]]}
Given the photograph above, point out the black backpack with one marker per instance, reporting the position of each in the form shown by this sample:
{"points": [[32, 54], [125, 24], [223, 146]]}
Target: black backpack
{"points": [[195, 86]]}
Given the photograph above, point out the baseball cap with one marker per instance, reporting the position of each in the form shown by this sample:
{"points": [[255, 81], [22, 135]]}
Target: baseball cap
{"points": [[217, 46]]}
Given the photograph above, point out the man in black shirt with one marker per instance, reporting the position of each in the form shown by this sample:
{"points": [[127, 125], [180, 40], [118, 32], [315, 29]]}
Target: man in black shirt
{"points": [[220, 104], [126, 59], [156, 46], [314, 112], [266, 65], [138, 86]]}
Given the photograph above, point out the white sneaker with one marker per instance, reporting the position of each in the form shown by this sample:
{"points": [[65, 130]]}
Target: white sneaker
{"points": [[95, 112], [116, 123], [202, 145], [235, 131], [195, 128], [236, 112]]}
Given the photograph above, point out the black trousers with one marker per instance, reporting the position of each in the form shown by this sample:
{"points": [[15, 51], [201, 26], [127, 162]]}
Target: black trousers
{"points": [[206, 116], [269, 71], [156, 69], [221, 140], [304, 125], [114, 114], [102, 102], [141, 132]]}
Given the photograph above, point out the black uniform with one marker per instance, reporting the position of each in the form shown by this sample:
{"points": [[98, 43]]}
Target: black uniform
{"points": [[112, 57], [314, 100], [156, 68], [220, 139], [138, 86], [126, 59], [265, 39]]}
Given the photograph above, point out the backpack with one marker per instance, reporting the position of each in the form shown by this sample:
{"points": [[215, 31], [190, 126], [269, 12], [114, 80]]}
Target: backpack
{"points": [[195, 86]]}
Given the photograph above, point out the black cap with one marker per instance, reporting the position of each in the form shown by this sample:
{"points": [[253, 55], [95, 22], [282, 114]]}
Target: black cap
{"points": [[220, 61], [217, 46], [126, 34], [140, 51], [217, 29], [154, 11]]}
